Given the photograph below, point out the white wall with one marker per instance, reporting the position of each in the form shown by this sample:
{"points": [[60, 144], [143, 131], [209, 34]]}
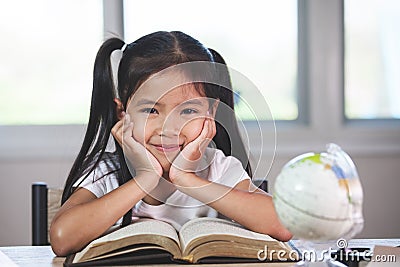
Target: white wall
{"points": [[379, 174], [15, 194]]}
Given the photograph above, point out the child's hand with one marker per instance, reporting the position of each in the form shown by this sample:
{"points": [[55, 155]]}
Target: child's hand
{"points": [[137, 156], [191, 155]]}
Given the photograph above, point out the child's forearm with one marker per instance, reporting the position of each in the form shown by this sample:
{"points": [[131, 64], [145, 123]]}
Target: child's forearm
{"points": [[160, 193], [84, 217], [254, 210]]}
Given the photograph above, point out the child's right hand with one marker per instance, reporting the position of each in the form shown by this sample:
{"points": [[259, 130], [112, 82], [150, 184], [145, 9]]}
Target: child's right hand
{"points": [[137, 156]]}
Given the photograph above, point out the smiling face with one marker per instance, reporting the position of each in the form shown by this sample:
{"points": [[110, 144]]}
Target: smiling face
{"points": [[165, 122]]}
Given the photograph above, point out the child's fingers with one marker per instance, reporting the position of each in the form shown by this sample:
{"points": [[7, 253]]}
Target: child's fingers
{"points": [[127, 129], [206, 128], [127, 135], [210, 133], [212, 128], [203, 139], [116, 130], [205, 136]]}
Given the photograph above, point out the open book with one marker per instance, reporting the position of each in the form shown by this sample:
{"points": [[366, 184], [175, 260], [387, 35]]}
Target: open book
{"points": [[199, 240]]}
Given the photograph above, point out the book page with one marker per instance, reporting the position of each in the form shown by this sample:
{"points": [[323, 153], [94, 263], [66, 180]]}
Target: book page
{"points": [[214, 226], [141, 226], [138, 227]]}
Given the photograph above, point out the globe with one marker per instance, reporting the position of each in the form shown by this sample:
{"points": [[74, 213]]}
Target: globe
{"points": [[318, 196]]}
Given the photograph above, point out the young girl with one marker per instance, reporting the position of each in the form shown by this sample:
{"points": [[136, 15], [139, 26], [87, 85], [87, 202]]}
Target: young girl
{"points": [[162, 166]]}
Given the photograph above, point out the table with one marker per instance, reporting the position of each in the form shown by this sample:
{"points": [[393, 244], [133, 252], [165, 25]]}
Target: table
{"points": [[43, 256]]}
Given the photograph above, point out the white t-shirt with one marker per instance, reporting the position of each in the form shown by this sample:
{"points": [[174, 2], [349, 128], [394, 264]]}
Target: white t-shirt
{"points": [[178, 207]]}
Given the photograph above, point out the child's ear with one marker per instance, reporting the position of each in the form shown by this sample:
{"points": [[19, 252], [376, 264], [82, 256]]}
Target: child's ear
{"points": [[214, 107], [119, 108]]}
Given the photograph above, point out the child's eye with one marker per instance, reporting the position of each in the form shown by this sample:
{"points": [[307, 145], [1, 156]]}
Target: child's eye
{"points": [[149, 110], [188, 111]]}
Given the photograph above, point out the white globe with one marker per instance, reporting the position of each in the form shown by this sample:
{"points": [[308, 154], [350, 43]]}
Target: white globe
{"points": [[319, 196]]}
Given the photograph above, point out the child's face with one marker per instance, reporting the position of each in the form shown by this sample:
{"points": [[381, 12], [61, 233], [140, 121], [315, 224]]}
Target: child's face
{"points": [[165, 122]]}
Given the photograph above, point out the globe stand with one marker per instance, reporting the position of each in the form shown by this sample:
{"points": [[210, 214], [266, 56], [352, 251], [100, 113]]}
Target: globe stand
{"points": [[317, 255], [327, 263]]}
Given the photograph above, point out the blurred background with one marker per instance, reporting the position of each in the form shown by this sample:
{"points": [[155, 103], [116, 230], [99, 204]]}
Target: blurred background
{"points": [[329, 71]]}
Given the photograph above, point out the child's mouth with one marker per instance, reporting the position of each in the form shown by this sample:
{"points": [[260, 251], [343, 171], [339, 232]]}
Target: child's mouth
{"points": [[168, 148]]}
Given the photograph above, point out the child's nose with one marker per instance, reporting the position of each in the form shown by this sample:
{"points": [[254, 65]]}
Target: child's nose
{"points": [[171, 126]]}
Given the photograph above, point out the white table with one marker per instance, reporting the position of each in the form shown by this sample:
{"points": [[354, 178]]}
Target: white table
{"points": [[43, 256]]}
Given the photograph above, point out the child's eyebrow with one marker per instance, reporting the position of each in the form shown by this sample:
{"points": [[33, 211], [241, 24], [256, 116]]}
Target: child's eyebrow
{"points": [[142, 102], [193, 102]]}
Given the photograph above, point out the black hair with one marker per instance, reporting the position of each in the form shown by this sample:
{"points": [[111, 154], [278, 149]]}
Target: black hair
{"points": [[228, 135], [142, 58]]}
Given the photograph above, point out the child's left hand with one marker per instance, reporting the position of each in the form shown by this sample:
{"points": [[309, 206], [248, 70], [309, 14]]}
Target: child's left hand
{"points": [[189, 158]]}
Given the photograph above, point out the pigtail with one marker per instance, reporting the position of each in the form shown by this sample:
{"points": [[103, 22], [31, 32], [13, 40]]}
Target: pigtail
{"points": [[227, 128], [102, 117]]}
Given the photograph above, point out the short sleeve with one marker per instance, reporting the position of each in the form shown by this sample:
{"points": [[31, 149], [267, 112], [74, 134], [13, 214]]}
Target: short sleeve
{"points": [[96, 186], [226, 170], [103, 179]]}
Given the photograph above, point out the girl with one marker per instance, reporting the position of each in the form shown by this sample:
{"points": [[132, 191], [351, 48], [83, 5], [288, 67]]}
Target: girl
{"points": [[161, 167]]}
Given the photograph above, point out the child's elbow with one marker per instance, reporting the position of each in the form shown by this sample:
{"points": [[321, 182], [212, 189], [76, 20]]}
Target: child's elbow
{"points": [[58, 241]]}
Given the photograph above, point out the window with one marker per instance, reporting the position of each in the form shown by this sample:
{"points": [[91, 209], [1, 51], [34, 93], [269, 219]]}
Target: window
{"points": [[292, 50], [372, 59], [257, 39], [47, 54]]}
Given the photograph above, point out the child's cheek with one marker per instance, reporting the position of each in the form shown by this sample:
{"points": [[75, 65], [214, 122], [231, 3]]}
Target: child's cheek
{"points": [[139, 131], [192, 129]]}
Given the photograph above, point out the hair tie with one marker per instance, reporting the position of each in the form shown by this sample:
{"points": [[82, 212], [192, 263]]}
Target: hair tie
{"points": [[124, 47], [210, 52], [127, 46]]}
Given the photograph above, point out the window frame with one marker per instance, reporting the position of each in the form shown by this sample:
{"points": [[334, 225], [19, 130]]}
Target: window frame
{"points": [[321, 100]]}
